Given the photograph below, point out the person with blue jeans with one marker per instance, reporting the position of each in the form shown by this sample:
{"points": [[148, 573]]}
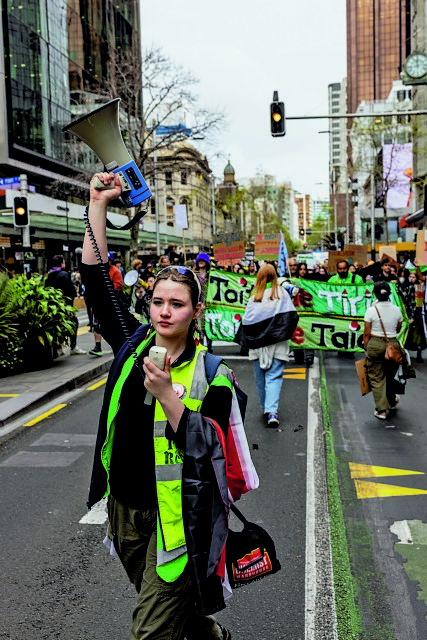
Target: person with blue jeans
{"points": [[270, 320]]}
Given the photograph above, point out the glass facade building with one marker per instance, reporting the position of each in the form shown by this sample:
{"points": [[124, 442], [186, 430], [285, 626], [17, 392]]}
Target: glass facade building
{"points": [[60, 54], [378, 42]]}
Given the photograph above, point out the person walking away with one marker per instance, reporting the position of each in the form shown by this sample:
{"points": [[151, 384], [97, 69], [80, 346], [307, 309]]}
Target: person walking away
{"points": [[380, 371], [269, 322], [59, 278], [117, 280], [159, 433]]}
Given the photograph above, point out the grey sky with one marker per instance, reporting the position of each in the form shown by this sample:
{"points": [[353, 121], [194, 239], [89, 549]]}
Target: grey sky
{"points": [[242, 50]]}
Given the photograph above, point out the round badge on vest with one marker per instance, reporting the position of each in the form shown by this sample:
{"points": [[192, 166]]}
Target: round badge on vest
{"points": [[179, 389]]}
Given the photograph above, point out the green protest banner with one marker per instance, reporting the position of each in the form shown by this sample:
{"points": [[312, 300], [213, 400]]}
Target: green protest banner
{"points": [[330, 316]]}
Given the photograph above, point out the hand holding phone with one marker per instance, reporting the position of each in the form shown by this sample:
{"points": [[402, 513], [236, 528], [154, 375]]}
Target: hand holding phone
{"points": [[157, 355]]}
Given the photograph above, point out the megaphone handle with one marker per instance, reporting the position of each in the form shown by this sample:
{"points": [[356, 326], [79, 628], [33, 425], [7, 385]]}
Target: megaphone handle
{"points": [[100, 186]]}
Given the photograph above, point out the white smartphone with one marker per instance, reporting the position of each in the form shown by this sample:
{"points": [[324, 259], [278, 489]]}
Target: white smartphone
{"points": [[157, 355]]}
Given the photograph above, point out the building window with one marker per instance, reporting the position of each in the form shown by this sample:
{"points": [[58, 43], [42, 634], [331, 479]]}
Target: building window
{"points": [[183, 177], [168, 178]]}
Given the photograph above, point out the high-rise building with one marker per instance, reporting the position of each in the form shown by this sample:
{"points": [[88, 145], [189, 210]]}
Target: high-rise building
{"points": [[378, 42]]}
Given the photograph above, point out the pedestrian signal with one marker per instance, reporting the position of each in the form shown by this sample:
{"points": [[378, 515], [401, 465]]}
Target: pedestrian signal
{"points": [[20, 212], [277, 119]]}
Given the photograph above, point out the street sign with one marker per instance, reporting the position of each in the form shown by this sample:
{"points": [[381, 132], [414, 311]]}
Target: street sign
{"points": [[14, 180]]}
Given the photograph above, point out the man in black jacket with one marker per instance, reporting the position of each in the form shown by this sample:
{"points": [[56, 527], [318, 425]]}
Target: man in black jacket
{"points": [[59, 278]]}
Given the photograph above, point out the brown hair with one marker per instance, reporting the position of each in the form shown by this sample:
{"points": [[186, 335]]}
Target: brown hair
{"points": [[266, 274], [186, 276]]}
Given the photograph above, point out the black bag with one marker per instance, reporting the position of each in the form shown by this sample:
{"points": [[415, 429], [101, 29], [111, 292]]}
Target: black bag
{"points": [[250, 554]]}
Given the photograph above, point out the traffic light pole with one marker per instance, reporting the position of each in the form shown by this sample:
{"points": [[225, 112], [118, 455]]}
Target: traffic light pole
{"points": [[25, 230], [335, 116]]}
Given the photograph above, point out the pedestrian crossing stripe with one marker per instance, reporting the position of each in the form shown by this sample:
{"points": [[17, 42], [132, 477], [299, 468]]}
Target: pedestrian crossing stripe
{"points": [[370, 471], [366, 489], [44, 415], [82, 330]]}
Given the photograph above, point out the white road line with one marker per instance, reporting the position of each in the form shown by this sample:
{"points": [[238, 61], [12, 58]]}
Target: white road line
{"points": [[318, 568], [97, 515]]}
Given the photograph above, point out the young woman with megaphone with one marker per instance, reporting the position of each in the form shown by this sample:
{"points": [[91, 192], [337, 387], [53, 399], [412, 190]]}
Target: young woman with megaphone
{"points": [[156, 433]]}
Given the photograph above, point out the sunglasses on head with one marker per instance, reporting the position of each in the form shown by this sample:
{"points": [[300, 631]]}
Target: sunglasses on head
{"points": [[183, 271]]}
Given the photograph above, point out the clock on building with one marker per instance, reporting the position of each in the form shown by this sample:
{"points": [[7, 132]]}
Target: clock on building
{"points": [[416, 65]]}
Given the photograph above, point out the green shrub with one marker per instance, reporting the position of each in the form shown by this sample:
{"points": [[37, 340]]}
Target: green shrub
{"points": [[37, 316]]}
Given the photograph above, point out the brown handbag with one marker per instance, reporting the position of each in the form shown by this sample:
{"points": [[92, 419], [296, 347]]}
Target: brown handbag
{"points": [[392, 351]]}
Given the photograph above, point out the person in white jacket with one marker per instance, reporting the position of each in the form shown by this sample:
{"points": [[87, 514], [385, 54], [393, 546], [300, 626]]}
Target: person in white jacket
{"points": [[270, 320]]}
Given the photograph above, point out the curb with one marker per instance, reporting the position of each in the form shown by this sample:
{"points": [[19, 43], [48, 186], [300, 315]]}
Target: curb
{"points": [[73, 383]]}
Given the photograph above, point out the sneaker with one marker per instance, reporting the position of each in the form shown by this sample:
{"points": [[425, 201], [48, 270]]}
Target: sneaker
{"points": [[396, 402], [381, 415], [273, 420], [77, 352], [96, 351]]}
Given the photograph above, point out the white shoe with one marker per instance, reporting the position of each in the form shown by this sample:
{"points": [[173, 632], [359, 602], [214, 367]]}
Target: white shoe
{"points": [[77, 352], [381, 415]]}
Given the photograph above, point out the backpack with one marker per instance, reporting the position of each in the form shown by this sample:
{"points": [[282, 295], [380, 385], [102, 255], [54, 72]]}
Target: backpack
{"points": [[241, 474]]}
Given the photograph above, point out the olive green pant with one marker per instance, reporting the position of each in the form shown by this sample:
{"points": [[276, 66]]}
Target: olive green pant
{"points": [[381, 373], [164, 610]]}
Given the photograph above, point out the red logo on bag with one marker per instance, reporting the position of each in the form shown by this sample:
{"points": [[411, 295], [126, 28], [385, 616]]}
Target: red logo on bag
{"points": [[252, 565]]}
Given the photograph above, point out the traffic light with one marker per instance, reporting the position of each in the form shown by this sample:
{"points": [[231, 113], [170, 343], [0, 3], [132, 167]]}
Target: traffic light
{"points": [[20, 212], [301, 231], [277, 117]]}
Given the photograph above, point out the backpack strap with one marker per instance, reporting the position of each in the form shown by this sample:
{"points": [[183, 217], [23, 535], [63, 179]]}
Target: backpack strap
{"points": [[211, 366]]}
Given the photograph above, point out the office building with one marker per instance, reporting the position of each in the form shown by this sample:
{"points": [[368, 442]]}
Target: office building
{"points": [[378, 42]]}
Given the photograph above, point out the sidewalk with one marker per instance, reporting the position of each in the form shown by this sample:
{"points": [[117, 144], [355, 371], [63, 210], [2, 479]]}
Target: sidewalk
{"points": [[25, 392]]}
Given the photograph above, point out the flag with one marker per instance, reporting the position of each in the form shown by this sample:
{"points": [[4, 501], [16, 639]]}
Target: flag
{"points": [[283, 255]]}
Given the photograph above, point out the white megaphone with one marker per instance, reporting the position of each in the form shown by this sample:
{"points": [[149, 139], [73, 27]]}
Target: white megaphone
{"points": [[131, 278], [100, 130]]}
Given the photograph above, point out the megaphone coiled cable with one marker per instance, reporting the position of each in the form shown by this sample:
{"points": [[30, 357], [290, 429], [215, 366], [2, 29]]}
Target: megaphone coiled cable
{"points": [[110, 288]]}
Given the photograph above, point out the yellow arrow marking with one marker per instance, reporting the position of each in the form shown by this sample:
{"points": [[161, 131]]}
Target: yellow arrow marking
{"points": [[44, 415], [97, 384], [369, 471], [367, 489]]}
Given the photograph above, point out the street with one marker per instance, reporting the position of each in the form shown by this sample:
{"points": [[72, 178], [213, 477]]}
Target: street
{"points": [[60, 582]]}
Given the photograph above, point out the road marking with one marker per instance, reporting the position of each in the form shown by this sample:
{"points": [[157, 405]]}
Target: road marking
{"points": [[44, 415], [97, 384], [42, 459], [366, 489], [370, 471], [65, 440], [97, 515], [318, 565], [82, 330], [294, 376], [9, 395]]}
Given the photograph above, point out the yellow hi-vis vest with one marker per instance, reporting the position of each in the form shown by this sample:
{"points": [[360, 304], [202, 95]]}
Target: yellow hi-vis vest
{"points": [[191, 378]]}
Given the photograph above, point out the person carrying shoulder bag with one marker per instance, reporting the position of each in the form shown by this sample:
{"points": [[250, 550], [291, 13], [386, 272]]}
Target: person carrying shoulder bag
{"points": [[383, 321]]}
